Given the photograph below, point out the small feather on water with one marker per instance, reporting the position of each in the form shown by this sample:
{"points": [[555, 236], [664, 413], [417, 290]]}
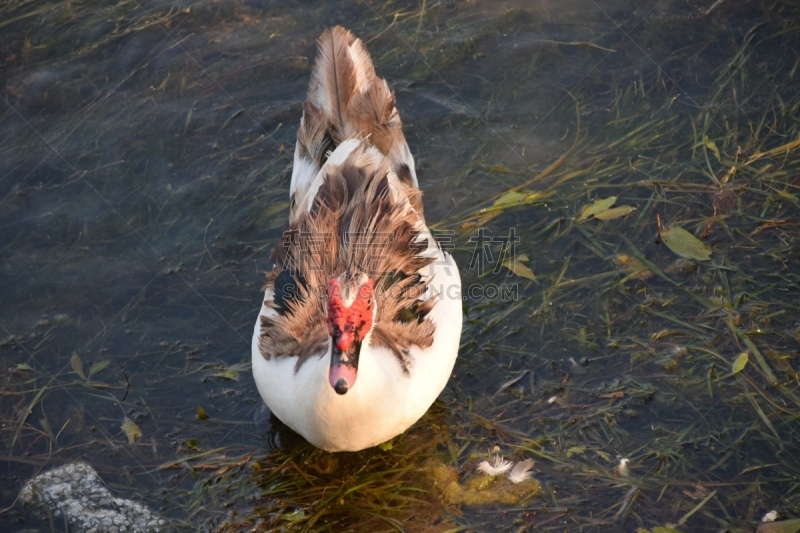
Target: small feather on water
{"points": [[577, 368], [497, 466], [521, 471], [622, 468]]}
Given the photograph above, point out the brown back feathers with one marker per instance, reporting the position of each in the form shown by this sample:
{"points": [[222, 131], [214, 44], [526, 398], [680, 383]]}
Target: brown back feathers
{"points": [[347, 99], [363, 219], [359, 223]]}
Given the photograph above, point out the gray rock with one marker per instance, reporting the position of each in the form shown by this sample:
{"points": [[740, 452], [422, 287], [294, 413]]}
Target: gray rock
{"points": [[75, 492]]}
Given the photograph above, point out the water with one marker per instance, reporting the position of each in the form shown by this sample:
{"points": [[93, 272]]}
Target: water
{"points": [[144, 171]]}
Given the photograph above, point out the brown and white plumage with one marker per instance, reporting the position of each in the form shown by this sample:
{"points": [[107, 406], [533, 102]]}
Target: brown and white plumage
{"points": [[347, 100], [361, 319]]}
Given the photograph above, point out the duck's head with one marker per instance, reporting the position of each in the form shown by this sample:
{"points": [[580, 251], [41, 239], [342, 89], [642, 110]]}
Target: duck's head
{"points": [[351, 309]]}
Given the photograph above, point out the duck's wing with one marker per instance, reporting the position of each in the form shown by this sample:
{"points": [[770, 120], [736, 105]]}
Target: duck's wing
{"points": [[357, 218], [347, 101]]}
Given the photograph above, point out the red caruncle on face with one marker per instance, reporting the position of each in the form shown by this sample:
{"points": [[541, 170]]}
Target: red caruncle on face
{"points": [[349, 324]]}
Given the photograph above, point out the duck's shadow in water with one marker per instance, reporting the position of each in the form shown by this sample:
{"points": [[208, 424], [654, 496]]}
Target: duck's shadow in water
{"points": [[349, 488], [426, 439], [278, 435]]}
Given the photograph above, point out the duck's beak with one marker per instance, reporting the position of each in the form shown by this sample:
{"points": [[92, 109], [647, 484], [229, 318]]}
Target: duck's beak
{"points": [[346, 323], [344, 365]]}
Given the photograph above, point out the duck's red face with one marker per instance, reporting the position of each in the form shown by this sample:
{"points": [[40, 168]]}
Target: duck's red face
{"points": [[348, 326]]}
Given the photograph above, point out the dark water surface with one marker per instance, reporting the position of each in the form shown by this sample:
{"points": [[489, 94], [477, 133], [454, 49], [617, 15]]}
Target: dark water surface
{"points": [[145, 156]]}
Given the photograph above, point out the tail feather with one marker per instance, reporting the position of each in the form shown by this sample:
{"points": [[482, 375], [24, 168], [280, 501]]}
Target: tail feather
{"points": [[343, 66], [347, 99]]}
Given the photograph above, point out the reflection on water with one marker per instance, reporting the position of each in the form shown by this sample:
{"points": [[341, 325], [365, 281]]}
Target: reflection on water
{"points": [[144, 170]]}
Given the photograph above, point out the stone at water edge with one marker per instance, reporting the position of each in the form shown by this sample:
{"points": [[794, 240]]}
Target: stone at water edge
{"points": [[75, 492]]}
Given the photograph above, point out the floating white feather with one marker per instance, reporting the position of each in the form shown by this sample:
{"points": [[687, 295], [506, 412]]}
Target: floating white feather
{"points": [[496, 467], [622, 468], [521, 471]]}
